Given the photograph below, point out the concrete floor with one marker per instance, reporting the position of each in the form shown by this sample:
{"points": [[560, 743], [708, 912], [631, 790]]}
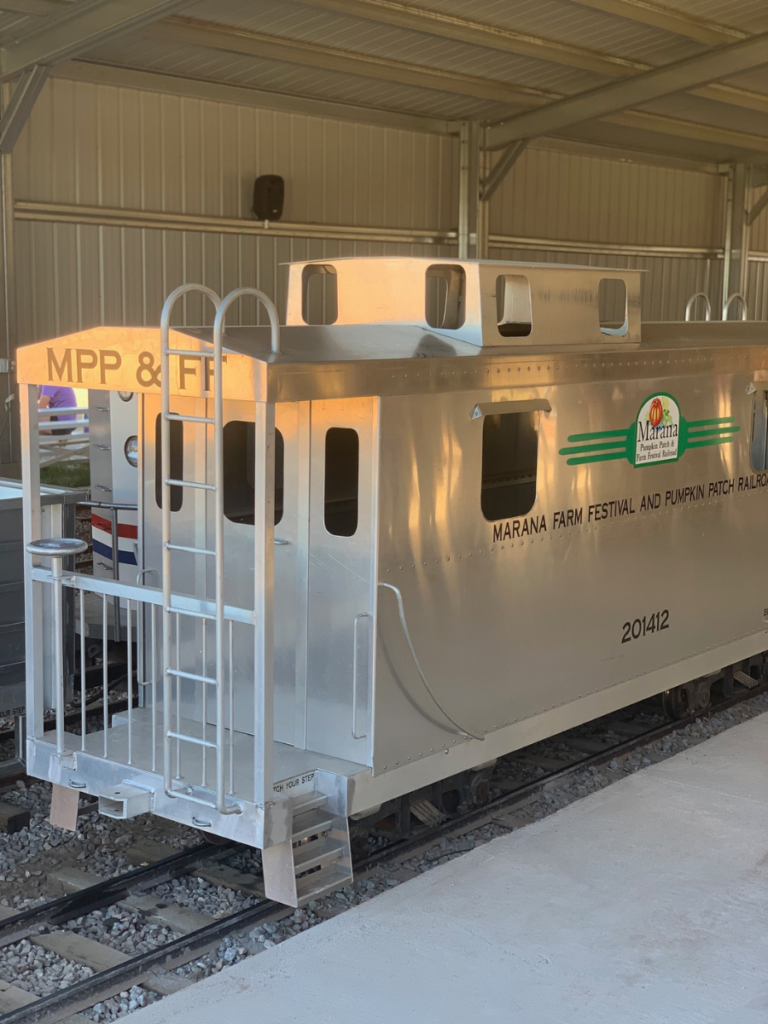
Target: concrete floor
{"points": [[646, 902]]}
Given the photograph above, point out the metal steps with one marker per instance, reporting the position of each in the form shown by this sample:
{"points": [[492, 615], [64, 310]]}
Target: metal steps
{"points": [[315, 861]]}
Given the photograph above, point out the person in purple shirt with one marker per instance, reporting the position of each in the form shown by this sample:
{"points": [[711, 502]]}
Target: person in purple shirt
{"points": [[50, 396]]}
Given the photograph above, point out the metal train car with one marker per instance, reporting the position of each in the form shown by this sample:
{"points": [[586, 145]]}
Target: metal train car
{"points": [[448, 509]]}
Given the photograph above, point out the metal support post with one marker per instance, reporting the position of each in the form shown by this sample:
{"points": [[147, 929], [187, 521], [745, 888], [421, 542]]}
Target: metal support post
{"points": [[58, 654], [728, 240], [57, 549], [482, 220], [116, 574], [464, 203], [736, 269], [469, 188], [31, 516], [9, 287], [477, 183], [264, 565], [20, 738]]}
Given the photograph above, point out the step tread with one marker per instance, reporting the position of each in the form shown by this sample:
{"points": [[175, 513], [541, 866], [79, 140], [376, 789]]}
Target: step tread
{"points": [[309, 802], [318, 853], [313, 886], [311, 823]]}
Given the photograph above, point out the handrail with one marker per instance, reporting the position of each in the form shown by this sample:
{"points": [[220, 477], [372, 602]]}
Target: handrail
{"points": [[355, 734], [727, 305], [104, 586], [689, 306], [267, 303], [165, 322]]}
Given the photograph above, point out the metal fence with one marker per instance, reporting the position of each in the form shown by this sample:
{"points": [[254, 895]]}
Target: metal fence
{"points": [[66, 440]]}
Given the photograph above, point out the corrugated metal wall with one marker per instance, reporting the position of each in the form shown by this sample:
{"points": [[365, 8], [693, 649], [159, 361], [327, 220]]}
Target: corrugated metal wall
{"points": [[551, 194], [668, 282], [125, 149], [555, 194], [99, 145]]}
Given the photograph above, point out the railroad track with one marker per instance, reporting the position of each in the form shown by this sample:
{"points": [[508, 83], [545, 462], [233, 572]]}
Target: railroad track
{"points": [[153, 968], [73, 716]]}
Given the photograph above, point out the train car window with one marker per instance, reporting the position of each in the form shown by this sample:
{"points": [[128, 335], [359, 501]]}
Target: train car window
{"points": [[513, 305], [759, 450], [342, 472], [319, 294], [239, 490], [444, 299], [176, 470], [510, 457], [612, 306]]}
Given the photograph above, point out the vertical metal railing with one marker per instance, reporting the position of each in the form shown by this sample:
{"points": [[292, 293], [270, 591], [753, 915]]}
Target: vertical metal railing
{"points": [[173, 674], [57, 549], [135, 742], [263, 539]]}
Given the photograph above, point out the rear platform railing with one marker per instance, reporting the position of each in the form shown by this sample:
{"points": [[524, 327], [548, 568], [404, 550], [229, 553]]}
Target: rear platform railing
{"points": [[134, 743]]}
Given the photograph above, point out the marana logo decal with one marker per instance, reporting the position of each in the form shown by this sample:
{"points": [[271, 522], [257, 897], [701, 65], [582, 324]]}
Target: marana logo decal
{"points": [[659, 434]]}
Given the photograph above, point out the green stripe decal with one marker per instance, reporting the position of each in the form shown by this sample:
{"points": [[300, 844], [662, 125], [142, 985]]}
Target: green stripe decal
{"points": [[597, 458], [659, 435], [598, 434], [709, 441], [605, 446], [708, 423]]}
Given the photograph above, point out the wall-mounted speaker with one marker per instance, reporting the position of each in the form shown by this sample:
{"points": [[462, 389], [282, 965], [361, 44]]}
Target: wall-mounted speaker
{"points": [[268, 197]]}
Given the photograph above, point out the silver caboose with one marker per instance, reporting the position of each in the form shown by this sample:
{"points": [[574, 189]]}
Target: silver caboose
{"points": [[450, 508]]}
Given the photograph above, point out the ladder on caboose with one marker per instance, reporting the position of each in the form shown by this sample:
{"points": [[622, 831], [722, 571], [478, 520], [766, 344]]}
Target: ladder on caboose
{"points": [[173, 614]]}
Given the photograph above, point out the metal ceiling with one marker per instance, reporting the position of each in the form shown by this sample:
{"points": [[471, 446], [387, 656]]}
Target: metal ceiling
{"points": [[575, 69]]}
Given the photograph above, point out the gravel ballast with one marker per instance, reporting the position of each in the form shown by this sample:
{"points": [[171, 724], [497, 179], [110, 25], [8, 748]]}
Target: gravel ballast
{"points": [[29, 857]]}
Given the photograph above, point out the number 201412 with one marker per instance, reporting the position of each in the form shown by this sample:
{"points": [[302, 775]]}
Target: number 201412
{"points": [[643, 627]]}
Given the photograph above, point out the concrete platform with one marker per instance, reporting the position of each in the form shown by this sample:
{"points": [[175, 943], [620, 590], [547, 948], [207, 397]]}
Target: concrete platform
{"points": [[647, 902]]}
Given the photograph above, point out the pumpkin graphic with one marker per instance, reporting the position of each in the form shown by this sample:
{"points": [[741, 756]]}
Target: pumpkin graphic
{"points": [[656, 412]]}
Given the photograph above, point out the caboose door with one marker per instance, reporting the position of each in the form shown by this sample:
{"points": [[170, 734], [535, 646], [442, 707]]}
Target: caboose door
{"points": [[341, 578]]}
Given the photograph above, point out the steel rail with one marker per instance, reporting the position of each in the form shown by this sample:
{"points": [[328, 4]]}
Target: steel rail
{"points": [[73, 717], [520, 794], [108, 892], [84, 994]]}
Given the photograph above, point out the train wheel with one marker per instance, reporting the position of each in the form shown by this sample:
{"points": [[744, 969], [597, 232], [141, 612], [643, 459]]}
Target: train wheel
{"points": [[211, 838], [675, 703], [688, 699]]}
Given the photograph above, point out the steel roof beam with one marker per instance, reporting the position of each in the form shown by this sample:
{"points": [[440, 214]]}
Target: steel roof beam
{"points": [[127, 77], [464, 30], [79, 28], [495, 37], [668, 20], [31, 7], [294, 51], [651, 85], [208, 35], [501, 169], [20, 107]]}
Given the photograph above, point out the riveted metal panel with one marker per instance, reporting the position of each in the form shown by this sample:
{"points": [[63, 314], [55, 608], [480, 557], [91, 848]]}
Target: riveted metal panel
{"points": [[505, 616]]}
